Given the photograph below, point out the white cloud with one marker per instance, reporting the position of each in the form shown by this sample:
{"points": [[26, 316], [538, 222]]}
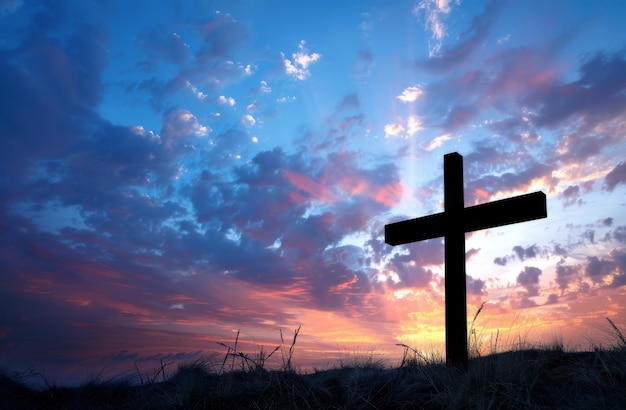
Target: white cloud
{"points": [[248, 120], [504, 39], [410, 94], [285, 99], [264, 88], [414, 125], [299, 68], [434, 12], [226, 100], [437, 142], [393, 130], [182, 123], [178, 306], [253, 106], [199, 94]]}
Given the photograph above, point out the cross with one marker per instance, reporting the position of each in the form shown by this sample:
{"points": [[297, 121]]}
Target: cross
{"points": [[452, 224]]}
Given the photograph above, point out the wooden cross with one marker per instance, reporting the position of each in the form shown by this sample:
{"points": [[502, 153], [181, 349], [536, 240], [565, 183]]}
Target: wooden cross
{"points": [[452, 224]]}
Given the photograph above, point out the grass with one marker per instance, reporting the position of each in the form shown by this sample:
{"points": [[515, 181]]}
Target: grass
{"points": [[535, 377]]}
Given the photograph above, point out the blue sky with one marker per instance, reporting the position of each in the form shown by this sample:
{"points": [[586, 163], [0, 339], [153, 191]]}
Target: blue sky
{"points": [[173, 172]]}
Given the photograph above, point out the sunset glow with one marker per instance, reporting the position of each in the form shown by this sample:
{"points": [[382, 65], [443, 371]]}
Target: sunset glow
{"points": [[175, 172]]}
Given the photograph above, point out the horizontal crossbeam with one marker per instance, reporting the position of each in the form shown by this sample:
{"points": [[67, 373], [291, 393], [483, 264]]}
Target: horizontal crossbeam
{"points": [[507, 211]]}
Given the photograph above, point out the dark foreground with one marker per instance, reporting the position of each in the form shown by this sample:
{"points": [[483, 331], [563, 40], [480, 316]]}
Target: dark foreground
{"points": [[523, 379]]}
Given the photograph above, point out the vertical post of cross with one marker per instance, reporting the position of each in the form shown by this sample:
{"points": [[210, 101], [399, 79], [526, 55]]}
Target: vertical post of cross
{"points": [[455, 292]]}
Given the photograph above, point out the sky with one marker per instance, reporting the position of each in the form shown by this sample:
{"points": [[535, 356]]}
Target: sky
{"points": [[175, 172]]}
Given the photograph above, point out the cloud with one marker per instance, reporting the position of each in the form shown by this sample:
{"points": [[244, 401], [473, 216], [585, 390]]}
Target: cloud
{"points": [[501, 260], [444, 58], [529, 280], [594, 98], [437, 142], [310, 187], [526, 253], [413, 125], [205, 64], [620, 234], [607, 221], [571, 194], [474, 286], [434, 13], [248, 120], [596, 269], [393, 130], [410, 94], [298, 66], [182, 123], [615, 177], [226, 100], [264, 88], [50, 88]]}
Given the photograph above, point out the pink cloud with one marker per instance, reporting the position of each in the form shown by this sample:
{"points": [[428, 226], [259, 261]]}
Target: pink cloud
{"points": [[314, 189]]}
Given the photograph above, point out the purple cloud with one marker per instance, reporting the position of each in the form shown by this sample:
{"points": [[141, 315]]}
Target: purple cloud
{"points": [[571, 195], [526, 253], [615, 177], [567, 274], [595, 96], [529, 280]]}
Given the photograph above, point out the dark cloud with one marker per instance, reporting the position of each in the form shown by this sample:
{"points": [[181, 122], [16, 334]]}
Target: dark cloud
{"points": [[619, 278], [502, 261], [523, 302], [607, 221], [470, 253], [567, 274], [615, 177], [529, 280], [411, 267], [474, 286], [589, 235], [559, 250], [620, 234], [488, 172], [49, 88], [552, 299], [526, 253], [571, 195], [596, 269], [595, 97]]}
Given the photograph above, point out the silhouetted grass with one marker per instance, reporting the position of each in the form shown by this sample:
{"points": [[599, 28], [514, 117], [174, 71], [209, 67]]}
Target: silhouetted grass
{"points": [[526, 377]]}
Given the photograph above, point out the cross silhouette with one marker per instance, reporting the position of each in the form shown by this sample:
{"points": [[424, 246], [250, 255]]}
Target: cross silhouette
{"points": [[452, 224]]}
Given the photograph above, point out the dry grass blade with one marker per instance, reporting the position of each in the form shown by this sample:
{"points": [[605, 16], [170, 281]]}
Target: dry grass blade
{"points": [[287, 364], [618, 332]]}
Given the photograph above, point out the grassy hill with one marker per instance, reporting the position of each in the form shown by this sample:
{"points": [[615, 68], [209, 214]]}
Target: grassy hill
{"points": [[536, 378]]}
